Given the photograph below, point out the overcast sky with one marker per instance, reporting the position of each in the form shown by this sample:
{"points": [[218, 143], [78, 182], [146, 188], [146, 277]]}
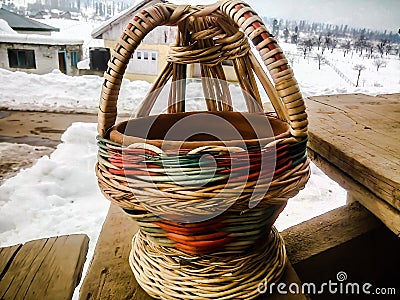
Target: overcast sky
{"points": [[373, 14]]}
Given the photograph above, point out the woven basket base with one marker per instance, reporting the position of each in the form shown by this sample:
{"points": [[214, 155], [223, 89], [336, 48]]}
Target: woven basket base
{"points": [[167, 273]]}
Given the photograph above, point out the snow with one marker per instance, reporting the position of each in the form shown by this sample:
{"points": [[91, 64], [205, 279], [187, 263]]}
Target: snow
{"points": [[5, 28], [23, 91], [38, 39], [326, 81], [84, 64], [72, 29], [58, 195], [66, 93]]}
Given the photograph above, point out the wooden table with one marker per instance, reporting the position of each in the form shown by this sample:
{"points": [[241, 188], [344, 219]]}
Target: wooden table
{"points": [[45, 269], [355, 139]]}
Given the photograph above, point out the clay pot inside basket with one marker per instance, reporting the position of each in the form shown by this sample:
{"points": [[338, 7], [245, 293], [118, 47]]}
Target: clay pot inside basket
{"points": [[195, 129]]}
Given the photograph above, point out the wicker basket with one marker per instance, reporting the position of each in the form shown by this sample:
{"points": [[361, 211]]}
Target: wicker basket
{"points": [[207, 195]]}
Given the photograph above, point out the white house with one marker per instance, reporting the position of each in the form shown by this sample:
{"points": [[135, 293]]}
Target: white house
{"points": [[39, 54], [34, 53]]}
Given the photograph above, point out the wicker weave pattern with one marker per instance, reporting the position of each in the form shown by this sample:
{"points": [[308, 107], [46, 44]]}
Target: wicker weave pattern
{"points": [[165, 273], [224, 255], [121, 188], [208, 35]]}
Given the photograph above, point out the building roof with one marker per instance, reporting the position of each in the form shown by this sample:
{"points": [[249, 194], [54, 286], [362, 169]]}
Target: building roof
{"points": [[97, 32], [21, 23], [37, 39], [5, 28]]}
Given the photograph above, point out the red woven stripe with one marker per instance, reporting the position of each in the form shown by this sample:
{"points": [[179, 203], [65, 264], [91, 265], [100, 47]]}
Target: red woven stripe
{"points": [[264, 35]]}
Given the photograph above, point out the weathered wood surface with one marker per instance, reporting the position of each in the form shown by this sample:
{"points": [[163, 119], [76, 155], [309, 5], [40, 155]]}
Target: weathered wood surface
{"points": [[348, 239], [109, 275], [328, 231], [389, 215], [48, 268], [360, 135]]}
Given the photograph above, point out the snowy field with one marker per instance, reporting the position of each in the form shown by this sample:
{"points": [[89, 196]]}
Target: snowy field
{"points": [[24, 91], [59, 194]]}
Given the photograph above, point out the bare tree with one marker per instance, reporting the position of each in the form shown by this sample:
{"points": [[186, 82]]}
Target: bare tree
{"points": [[346, 47], [388, 48], [293, 38], [275, 28], [381, 47], [321, 60], [369, 46], [360, 44], [358, 68], [290, 57], [323, 49], [334, 43], [379, 63], [319, 40], [327, 42], [305, 46], [286, 34]]}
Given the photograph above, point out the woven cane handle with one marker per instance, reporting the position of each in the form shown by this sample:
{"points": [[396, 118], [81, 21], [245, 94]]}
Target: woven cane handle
{"points": [[168, 14]]}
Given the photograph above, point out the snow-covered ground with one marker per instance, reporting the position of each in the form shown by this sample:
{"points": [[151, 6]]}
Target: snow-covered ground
{"points": [[58, 195], [326, 81], [65, 93]]}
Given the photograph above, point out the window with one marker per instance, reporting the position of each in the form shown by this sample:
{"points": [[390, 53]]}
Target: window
{"points": [[74, 58], [144, 62], [18, 58]]}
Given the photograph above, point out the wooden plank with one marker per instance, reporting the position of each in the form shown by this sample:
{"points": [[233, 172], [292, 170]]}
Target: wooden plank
{"points": [[353, 165], [389, 215], [44, 269], [391, 97], [362, 107], [361, 130], [328, 231], [340, 123], [348, 239], [71, 250], [7, 254], [109, 275], [369, 258], [385, 212], [351, 132]]}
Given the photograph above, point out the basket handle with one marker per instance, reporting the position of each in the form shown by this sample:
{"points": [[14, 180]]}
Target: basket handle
{"points": [[289, 95]]}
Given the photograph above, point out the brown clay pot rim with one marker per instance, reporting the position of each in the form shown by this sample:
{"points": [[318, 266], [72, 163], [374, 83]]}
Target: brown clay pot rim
{"points": [[280, 129]]}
